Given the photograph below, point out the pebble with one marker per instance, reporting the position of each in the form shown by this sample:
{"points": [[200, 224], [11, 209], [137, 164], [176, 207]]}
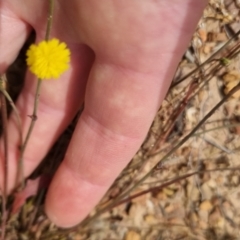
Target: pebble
{"points": [[132, 235], [206, 205], [150, 219], [206, 191]]}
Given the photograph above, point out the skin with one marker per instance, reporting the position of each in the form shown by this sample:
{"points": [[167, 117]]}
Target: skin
{"points": [[124, 55]]}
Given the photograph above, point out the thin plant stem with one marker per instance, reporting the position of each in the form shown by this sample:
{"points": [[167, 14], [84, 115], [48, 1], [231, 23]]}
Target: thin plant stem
{"points": [[50, 19], [207, 61], [216, 128], [33, 116], [169, 182], [3, 96], [5, 134], [36, 98], [15, 110], [24, 145], [38, 198], [5, 164], [19, 123]]}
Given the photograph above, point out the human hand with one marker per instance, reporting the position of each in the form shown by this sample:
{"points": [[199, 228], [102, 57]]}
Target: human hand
{"points": [[123, 57]]}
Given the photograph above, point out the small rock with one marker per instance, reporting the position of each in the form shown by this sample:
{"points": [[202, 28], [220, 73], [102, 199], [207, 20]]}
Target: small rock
{"points": [[168, 191], [79, 237], [216, 220], [132, 235], [206, 206], [202, 34], [192, 192], [212, 183], [150, 206], [203, 225], [216, 200], [193, 219], [150, 219], [203, 215], [235, 180], [176, 221], [169, 208], [137, 212], [231, 76], [221, 222], [234, 199], [191, 114], [206, 191], [161, 196], [220, 180], [175, 210], [228, 211], [207, 48], [114, 192]]}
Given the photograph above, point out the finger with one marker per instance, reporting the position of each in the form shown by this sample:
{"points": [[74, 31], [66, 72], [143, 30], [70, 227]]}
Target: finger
{"points": [[120, 106], [13, 34]]}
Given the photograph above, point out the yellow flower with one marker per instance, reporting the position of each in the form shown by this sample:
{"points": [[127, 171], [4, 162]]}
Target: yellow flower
{"points": [[48, 59]]}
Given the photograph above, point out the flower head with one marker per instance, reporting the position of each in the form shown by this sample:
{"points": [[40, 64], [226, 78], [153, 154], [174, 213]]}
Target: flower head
{"points": [[48, 59]]}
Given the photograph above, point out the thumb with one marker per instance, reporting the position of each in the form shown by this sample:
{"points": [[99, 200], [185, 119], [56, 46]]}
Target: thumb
{"points": [[13, 34]]}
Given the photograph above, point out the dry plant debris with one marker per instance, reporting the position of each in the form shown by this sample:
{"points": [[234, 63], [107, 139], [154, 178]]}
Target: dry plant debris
{"points": [[202, 206]]}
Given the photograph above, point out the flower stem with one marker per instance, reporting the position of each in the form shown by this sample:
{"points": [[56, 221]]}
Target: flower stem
{"points": [[50, 19], [24, 145], [36, 100]]}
